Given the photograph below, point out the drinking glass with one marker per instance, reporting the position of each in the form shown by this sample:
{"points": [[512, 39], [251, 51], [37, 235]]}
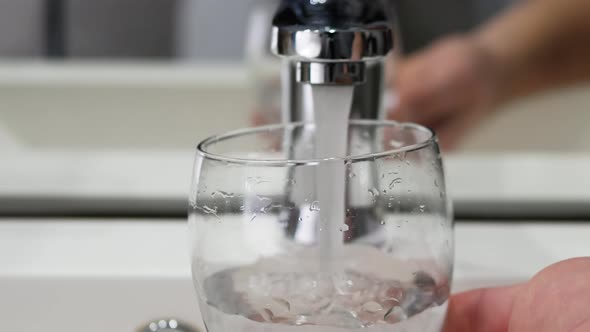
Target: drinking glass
{"points": [[282, 241]]}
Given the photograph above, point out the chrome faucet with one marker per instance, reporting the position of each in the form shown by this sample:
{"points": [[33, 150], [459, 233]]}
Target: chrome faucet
{"points": [[331, 42], [335, 42]]}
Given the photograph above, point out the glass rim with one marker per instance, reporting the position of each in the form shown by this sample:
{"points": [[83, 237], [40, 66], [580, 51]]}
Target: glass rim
{"points": [[202, 146]]}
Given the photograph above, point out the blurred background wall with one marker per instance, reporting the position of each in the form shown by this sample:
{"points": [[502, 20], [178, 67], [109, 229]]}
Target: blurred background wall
{"points": [[197, 29]]}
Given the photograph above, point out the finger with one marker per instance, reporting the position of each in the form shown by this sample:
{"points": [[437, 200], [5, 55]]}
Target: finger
{"points": [[452, 130], [482, 310], [425, 99]]}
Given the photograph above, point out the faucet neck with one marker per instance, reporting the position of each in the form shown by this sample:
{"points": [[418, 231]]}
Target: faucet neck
{"points": [[335, 14], [331, 40]]}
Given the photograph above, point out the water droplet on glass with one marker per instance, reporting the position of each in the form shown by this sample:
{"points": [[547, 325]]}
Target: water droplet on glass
{"points": [[223, 194], [253, 217], [208, 210], [300, 219], [394, 182], [408, 162], [395, 144], [382, 222], [374, 194], [344, 228], [351, 175], [256, 180], [315, 206], [422, 207]]}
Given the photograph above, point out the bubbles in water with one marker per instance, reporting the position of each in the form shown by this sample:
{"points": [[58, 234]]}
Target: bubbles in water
{"points": [[284, 303], [315, 206], [372, 306], [382, 222], [394, 315], [422, 208], [267, 314], [347, 299], [254, 215]]}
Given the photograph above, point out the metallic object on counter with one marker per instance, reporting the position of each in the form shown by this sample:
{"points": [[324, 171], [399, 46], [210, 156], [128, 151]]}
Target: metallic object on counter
{"points": [[167, 325]]}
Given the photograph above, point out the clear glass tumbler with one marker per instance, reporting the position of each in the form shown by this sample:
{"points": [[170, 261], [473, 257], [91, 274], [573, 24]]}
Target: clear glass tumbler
{"points": [[332, 244]]}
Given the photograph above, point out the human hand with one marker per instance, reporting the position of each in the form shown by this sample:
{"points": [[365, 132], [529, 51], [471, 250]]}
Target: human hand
{"points": [[555, 300], [448, 87]]}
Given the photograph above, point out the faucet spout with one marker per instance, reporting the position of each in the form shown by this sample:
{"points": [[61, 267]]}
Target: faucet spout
{"points": [[331, 41]]}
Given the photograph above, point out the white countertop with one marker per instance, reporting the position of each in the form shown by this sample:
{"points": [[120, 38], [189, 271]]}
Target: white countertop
{"points": [[118, 274], [488, 252]]}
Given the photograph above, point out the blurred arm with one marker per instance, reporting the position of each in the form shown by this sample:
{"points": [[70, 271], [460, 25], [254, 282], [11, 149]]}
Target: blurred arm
{"points": [[539, 45]]}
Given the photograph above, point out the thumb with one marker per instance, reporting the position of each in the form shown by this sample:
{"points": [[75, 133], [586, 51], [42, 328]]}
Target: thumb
{"points": [[482, 310]]}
